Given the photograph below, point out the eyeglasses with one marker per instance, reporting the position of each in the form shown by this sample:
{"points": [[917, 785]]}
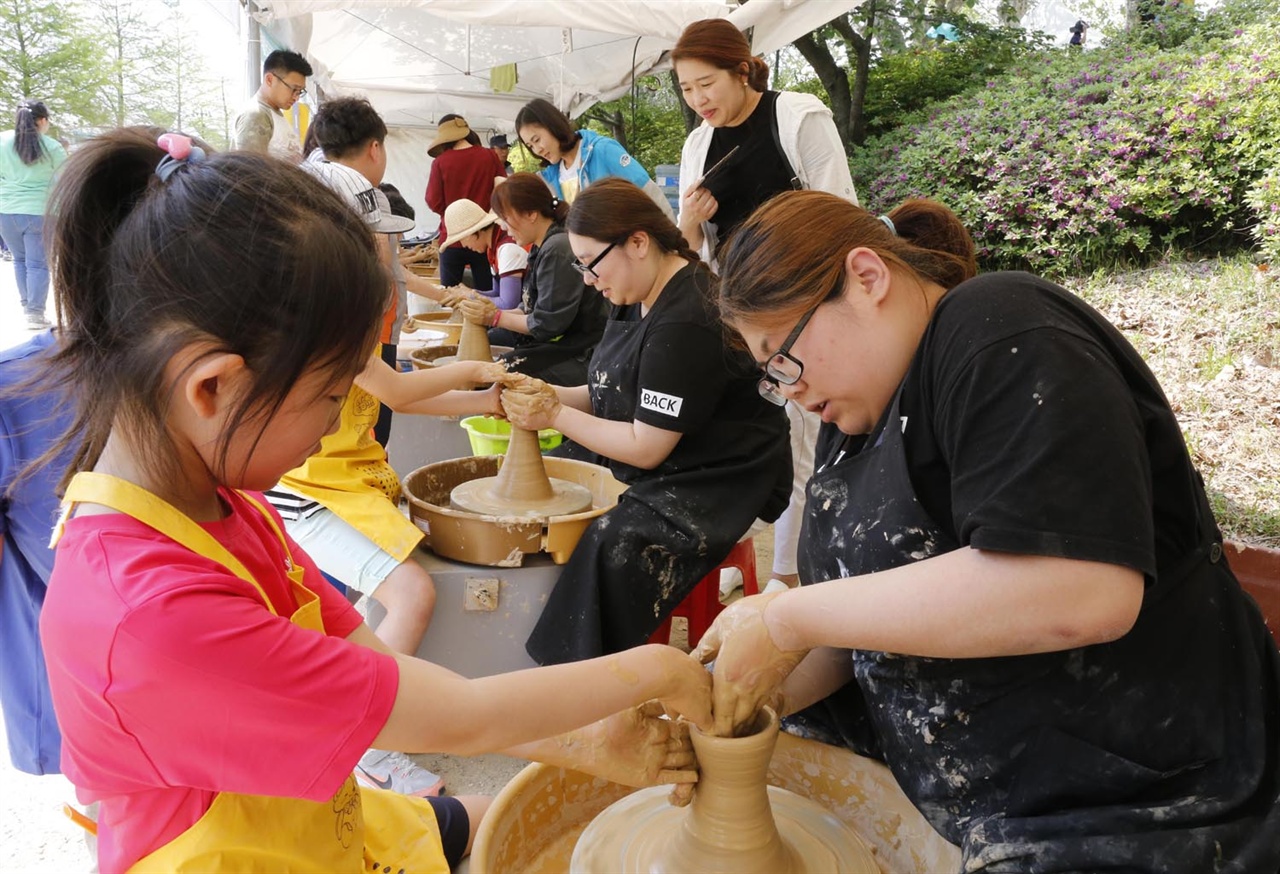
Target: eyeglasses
{"points": [[590, 269], [783, 368], [298, 90]]}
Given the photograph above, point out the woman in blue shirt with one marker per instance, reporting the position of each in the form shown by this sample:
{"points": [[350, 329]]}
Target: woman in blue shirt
{"points": [[573, 159]]}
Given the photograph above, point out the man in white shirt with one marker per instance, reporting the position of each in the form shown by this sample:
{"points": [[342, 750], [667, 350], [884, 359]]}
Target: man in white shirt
{"points": [[261, 126]]}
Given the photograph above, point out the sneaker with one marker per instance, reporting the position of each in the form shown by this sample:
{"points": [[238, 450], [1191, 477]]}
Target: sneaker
{"points": [[37, 322], [396, 772], [730, 581], [774, 585]]}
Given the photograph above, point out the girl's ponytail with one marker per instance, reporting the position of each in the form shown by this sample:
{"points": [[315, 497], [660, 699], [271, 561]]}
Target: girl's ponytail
{"points": [[26, 136]]}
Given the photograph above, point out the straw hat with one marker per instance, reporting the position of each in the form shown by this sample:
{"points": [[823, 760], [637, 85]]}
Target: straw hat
{"points": [[463, 218], [448, 133]]}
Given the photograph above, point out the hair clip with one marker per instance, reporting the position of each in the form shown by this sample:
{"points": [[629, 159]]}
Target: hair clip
{"points": [[888, 223], [181, 152], [555, 203]]}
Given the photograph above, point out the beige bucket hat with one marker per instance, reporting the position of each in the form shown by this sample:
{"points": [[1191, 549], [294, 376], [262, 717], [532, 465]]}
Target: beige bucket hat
{"points": [[447, 134], [463, 218]]}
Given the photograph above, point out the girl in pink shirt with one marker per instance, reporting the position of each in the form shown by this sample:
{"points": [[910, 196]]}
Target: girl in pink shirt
{"points": [[214, 692]]}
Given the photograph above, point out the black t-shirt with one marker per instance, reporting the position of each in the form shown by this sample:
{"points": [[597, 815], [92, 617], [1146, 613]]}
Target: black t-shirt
{"points": [[684, 377], [1033, 427], [756, 173]]}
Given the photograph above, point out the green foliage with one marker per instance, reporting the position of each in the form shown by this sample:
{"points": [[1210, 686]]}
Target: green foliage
{"points": [[655, 127], [47, 52], [1264, 200], [1077, 160], [904, 83]]}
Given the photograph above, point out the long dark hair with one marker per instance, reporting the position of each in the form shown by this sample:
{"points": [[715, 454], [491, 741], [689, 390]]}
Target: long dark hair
{"points": [[526, 192], [544, 113], [778, 263], [26, 136], [245, 253], [612, 209]]}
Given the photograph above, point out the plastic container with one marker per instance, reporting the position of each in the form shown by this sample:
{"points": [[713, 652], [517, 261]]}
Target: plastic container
{"points": [[490, 436], [668, 178]]}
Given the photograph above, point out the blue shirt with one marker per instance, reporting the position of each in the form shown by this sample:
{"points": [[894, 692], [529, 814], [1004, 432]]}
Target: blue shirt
{"points": [[599, 156], [28, 427]]}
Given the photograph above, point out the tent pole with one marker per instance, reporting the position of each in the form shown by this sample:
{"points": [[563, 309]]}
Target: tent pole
{"points": [[253, 49]]}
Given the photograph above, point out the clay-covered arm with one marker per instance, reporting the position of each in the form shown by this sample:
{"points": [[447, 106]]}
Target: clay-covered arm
{"points": [[635, 747], [967, 603], [505, 711], [402, 391], [536, 405], [577, 396], [634, 443], [424, 287]]}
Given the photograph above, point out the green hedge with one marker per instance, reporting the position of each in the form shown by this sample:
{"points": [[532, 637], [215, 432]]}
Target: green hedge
{"points": [[1077, 160]]}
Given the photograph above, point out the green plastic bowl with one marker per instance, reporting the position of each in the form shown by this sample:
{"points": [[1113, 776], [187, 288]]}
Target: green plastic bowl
{"points": [[490, 436]]}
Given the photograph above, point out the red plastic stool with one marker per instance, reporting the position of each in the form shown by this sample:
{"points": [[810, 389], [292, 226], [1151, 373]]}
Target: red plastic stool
{"points": [[702, 605]]}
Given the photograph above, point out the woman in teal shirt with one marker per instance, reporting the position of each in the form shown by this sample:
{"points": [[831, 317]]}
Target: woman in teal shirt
{"points": [[28, 160]]}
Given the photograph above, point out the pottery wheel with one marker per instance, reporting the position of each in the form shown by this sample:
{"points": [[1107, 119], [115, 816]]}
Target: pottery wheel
{"points": [[631, 834], [477, 496]]}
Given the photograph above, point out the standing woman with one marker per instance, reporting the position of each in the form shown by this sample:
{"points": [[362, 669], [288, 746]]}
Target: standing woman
{"points": [[460, 168], [673, 411], [1007, 550], [559, 320], [573, 159], [28, 160], [784, 141]]}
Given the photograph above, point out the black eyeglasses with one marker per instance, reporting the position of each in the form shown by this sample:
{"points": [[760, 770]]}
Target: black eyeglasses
{"points": [[590, 269], [783, 368], [298, 90]]}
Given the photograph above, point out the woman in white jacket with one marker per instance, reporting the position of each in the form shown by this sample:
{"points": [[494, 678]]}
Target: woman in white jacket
{"points": [[773, 141]]}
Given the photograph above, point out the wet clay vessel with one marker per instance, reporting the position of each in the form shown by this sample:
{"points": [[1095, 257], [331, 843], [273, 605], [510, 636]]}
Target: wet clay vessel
{"points": [[736, 823], [522, 487]]}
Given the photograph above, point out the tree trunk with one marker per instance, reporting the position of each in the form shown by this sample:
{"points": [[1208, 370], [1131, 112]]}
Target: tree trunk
{"points": [[860, 46], [833, 79]]}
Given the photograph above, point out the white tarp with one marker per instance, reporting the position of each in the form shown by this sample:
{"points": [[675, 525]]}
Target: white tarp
{"points": [[419, 59], [416, 60]]}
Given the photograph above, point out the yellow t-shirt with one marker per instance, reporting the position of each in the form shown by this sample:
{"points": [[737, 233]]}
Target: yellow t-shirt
{"points": [[351, 476]]}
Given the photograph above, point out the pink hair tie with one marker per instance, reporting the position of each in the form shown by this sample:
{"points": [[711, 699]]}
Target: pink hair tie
{"points": [[180, 153]]}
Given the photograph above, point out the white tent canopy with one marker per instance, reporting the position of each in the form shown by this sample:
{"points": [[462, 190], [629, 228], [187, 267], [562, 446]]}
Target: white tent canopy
{"points": [[417, 60]]}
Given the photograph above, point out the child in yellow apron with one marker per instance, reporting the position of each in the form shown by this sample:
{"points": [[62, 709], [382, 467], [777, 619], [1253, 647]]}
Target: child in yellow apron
{"points": [[214, 693]]}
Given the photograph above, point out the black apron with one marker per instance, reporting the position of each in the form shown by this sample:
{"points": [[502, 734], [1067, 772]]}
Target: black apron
{"points": [[562, 361], [1082, 760], [636, 563]]}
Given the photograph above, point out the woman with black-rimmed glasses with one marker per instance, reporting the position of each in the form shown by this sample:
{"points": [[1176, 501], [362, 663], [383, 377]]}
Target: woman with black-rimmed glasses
{"points": [[1014, 591], [673, 411]]}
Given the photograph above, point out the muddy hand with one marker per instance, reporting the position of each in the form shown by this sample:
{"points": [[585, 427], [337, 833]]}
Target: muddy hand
{"points": [[478, 311], [750, 668], [455, 295], [532, 405], [640, 747]]}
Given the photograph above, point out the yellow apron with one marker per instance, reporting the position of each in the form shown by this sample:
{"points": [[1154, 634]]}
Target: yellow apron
{"points": [[255, 833]]}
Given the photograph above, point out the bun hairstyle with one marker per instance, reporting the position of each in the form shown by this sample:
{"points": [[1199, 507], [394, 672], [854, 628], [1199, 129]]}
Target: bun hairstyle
{"points": [[780, 263], [716, 42], [525, 193], [612, 209], [238, 251]]}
